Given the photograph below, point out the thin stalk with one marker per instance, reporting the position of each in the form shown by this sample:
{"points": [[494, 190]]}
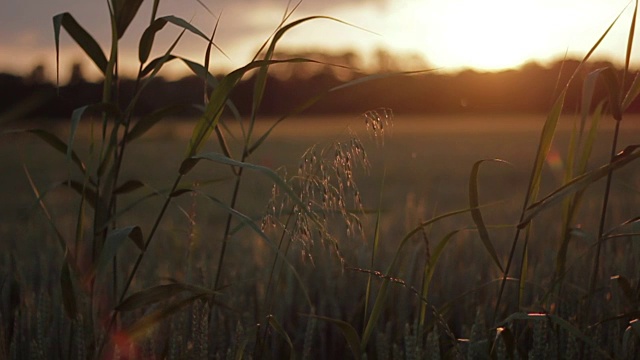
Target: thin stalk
{"points": [[119, 156], [603, 216], [503, 282], [227, 229], [269, 301], [136, 265], [268, 298]]}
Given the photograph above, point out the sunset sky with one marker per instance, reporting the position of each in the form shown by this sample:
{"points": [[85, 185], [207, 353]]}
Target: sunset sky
{"points": [[451, 34]]}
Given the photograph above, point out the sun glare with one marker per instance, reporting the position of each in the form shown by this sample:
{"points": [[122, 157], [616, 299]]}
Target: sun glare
{"points": [[485, 35]]}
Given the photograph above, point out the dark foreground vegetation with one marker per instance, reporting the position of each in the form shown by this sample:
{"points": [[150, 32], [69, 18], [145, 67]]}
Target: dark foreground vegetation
{"points": [[200, 245]]}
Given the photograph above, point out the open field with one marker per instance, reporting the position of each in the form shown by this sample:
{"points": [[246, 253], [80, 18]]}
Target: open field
{"points": [[420, 170]]}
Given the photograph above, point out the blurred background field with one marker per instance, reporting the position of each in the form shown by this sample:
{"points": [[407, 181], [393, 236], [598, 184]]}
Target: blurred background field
{"points": [[427, 162]]}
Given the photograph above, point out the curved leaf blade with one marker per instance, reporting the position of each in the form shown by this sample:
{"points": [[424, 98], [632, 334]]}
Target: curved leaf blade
{"points": [[280, 330], [149, 121], [147, 38], [125, 12], [350, 334], [476, 214], [55, 142], [114, 241], [160, 293], [580, 183], [88, 44]]}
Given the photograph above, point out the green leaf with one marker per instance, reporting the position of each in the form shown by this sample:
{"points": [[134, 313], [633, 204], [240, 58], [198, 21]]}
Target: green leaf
{"points": [[580, 183], [114, 241], [160, 293], [632, 32], [379, 303], [68, 294], [84, 190], [633, 93], [613, 87], [219, 158], [125, 12], [128, 186], [148, 36], [435, 256], [217, 101], [349, 333], [474, 204], [376, 243], [77, 115], [251, 224], [55, 143], [90, 47], [280, 330], [147, 39], [153, 64], [149, 121]]}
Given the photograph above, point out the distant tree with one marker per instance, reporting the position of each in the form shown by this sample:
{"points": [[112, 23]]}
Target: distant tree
{"points": [[37, 76], [77, 75]]}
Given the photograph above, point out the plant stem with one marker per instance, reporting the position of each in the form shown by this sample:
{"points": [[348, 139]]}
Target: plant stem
{"points": [[136, 265], [603, 216], [227, 228]]}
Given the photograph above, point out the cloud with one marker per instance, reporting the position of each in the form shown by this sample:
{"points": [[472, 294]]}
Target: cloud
{"points": [[27, 27]]}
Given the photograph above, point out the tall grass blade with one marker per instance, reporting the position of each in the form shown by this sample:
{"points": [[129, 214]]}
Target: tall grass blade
{"points": [[128, 187], [154, 64], [282, 332], [61, 240], [587, 149], [524, 270], [147, 39], [88, 44], [580, 183], [147, 122], [219, 158], [632, 94], [632, 32], [379, 304], [435, 256], [374, 250], [251, 224], [310, 102], [77, 115], [209, 120], [56, 143], [261, 78], [88, 193], [160, 293], [474, 204], [562, 324], [125, 11], [613, 87], [350, 334], [114, 241], [68, 294]]}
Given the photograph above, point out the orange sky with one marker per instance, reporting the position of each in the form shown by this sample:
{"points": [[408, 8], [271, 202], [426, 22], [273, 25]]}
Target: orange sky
{"points": [[451, 34]]}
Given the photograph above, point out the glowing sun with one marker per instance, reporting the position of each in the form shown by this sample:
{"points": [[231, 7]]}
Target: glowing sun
{"points": [[486, 35]]}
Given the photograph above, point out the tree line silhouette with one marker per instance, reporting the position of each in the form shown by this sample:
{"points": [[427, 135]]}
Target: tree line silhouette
{"points": [[529, 89]]}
